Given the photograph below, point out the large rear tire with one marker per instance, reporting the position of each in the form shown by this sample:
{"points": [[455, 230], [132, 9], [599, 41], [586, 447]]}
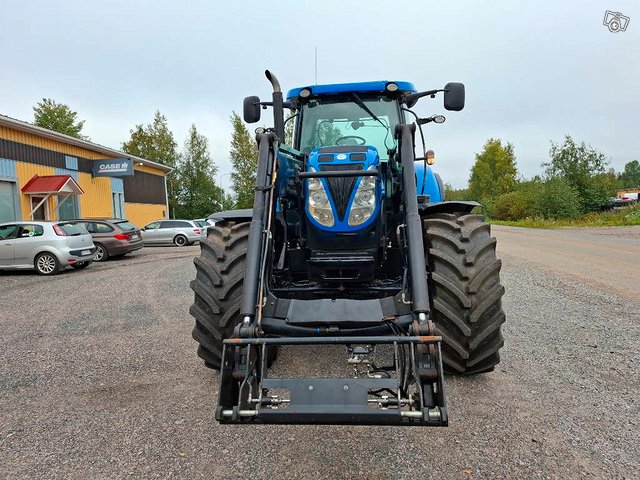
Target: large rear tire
{"points": [[466, 294], [217, 289]]}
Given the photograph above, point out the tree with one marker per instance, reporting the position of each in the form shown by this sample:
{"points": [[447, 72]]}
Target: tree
{"points": [[244, 158], [58, 117], [155, 142], [584, 168], [630, 177], [199, 193], [494, 172]]}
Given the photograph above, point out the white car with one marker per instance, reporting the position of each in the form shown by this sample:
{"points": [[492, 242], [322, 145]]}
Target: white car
{"points": [[47, 247], [177, 232]]}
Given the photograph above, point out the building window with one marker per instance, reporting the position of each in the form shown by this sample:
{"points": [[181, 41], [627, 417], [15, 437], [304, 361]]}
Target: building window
{"points": [[68, 209], [8, 210], [118, 205]]}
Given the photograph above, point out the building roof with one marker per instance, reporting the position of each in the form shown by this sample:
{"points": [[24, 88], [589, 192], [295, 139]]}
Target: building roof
{"points": [[45, 132], [52, 184]]}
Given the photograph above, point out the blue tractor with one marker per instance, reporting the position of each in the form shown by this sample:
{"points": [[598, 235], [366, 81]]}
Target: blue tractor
{"points": [[350, 242]]}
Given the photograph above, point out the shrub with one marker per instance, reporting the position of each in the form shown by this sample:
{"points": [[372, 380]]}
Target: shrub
{"points": [[558, 199], [512, 206]]}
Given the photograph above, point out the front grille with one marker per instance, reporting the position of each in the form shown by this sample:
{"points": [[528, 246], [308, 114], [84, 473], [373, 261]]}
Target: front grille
{"points": [[340, 188]]}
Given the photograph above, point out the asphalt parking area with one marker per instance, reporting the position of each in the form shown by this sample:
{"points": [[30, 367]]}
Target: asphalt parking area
{"points": [[99, 379]]}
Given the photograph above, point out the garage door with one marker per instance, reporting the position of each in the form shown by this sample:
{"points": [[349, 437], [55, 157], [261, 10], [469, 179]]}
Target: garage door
{"points": [[8, 202]]}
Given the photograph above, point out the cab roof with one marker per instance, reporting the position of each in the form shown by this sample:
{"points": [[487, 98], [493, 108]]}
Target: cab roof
{"points": [[358, 87]]}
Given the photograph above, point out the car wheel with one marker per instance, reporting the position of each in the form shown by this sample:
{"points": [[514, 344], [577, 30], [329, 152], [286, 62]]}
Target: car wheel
{"points": [[101, 253], [47, 264], [81, 265], [180, 240]]}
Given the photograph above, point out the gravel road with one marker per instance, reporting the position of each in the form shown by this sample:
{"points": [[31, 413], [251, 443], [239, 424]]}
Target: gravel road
{"points": [[99, 379]]}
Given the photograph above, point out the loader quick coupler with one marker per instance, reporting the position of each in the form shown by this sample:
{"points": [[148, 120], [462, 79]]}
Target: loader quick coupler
{"points": [[409, 392]]}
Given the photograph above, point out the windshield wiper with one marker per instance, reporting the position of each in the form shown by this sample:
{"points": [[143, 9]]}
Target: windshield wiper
{"points": [[358, 101]]}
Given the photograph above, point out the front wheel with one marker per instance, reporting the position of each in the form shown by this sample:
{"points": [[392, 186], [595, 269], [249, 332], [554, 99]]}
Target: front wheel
{"points": [[466, 293], [217, 289]]}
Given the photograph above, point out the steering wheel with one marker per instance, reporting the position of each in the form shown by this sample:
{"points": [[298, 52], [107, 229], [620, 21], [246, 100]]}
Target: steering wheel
{"points": [[351, 137]]}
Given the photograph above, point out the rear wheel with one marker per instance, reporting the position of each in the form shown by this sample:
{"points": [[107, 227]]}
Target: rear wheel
{"points": [[217, 289], [466, 294], [101, 254], [47, 264], [180, 240]]}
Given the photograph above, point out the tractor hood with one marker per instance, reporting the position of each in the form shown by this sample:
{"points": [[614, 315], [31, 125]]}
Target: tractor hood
{"points": [[334, 204]]}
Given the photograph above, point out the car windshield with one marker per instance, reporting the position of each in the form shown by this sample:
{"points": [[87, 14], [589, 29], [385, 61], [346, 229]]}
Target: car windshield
{"points": [[348, 121], [125, 225]]}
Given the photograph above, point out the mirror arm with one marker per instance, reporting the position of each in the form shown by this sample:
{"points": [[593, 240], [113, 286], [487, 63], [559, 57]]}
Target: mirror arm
{"points": [[413, 97]]}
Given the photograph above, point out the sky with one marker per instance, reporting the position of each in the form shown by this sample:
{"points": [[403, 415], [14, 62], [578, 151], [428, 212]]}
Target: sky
{"points": [[534, 71]]}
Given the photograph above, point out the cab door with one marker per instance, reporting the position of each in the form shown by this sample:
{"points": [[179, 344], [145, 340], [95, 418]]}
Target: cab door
{"points": [[8, 234]]}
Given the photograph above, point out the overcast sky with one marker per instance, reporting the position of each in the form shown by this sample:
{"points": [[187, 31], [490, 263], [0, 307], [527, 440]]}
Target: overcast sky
{"points": [[533, 72]]}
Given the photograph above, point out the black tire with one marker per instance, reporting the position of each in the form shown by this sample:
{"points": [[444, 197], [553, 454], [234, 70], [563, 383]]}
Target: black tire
{"points": [[47, 263], [102, 254], [466, 299], [80, 265], [217, 289], [180, 241]]}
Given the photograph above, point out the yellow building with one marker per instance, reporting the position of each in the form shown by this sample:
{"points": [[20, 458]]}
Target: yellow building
{"points": [[46, 175]]}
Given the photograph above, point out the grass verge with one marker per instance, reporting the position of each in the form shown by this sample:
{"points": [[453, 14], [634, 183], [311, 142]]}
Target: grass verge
{"points": [[623, 217]]}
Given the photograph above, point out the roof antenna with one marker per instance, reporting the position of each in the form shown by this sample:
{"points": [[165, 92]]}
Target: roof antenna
{"points": [[316, 63]]}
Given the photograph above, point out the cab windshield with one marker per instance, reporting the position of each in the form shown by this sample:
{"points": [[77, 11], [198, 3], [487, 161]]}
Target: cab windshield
{"points": [[348, 121]]}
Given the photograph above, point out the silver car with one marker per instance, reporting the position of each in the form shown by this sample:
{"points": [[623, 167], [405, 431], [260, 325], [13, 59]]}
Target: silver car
{"points": [[177, 232], [49, 247]]}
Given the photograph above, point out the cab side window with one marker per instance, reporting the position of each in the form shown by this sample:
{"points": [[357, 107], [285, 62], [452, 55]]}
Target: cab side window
{"points": [[152, 226], [28, 231], [8, 232]]}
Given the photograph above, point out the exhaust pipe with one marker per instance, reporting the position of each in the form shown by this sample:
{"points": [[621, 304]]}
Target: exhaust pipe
{"points": [[278, 109]]}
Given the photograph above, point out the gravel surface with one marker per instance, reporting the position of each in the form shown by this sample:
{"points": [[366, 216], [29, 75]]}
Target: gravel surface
{"points": [[99, 379]]}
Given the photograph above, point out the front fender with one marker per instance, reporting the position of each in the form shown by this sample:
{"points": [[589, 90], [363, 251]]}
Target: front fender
{"points": [[446, 207]]}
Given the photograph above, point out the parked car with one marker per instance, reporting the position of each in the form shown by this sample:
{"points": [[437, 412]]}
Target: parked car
{"points": [[47, 247], [177, 232], [204, 222], [113, 237]]}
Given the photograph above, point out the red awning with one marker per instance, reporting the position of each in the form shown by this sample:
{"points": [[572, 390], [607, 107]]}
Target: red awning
{"points": [[52, 184]]}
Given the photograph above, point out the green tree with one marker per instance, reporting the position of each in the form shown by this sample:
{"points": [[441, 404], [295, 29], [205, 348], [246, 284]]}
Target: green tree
{"points": [[58, 117], [155, 142], [630, 177], [244, 159], [198, 192], [494, 171], [583, 167]]}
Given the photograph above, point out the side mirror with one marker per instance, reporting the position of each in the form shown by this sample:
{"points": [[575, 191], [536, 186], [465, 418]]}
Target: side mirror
{"points": [[454, 96], [251, 109]]}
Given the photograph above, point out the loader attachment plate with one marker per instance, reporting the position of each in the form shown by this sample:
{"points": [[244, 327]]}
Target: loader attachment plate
{"points": [[414, 396]]}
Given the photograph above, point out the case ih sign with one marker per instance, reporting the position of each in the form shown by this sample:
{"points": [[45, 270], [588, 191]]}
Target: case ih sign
{"points": [[114, 167]]}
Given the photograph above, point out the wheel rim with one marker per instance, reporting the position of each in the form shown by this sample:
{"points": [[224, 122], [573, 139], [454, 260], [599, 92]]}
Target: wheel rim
{"points": [[46, 264], [180, 241], [99, 254]]}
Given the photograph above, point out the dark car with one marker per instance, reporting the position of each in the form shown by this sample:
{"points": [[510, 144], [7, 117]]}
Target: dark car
{"points": [[113, 237]]}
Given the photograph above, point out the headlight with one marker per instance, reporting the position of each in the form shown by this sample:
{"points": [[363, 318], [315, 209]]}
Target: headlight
{"points": [[318, 202], [364, 203]]}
